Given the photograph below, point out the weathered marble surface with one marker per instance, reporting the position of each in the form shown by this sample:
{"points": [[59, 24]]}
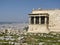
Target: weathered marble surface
{"points": [[54, 21]]}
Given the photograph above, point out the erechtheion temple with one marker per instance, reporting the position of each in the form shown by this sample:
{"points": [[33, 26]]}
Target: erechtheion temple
{"points": [[44, 20]]}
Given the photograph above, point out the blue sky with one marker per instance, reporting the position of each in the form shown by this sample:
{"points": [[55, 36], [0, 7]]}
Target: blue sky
{"points": [[18, 10]]}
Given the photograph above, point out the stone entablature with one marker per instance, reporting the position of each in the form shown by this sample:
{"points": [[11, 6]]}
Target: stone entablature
{"points": [[44, 21]]}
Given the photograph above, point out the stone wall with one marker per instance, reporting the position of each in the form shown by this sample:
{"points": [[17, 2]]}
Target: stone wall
{"points": [[54, 18]]}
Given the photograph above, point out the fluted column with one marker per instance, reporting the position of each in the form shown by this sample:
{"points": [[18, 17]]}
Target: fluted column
{"points": [[39, 20]]}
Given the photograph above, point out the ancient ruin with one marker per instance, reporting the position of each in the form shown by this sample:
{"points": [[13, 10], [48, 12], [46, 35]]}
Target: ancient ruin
{"points": [[44, 21]]}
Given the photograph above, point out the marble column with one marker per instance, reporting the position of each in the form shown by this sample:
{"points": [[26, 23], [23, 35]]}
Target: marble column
{"points": [[29, 20], [34, 20], [39, 20], [45, 20]]}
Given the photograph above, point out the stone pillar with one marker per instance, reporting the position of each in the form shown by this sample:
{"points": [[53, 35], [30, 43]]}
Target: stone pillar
{"points": [[34, 20], [45, 20], [29, 20], [39, 20]]}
